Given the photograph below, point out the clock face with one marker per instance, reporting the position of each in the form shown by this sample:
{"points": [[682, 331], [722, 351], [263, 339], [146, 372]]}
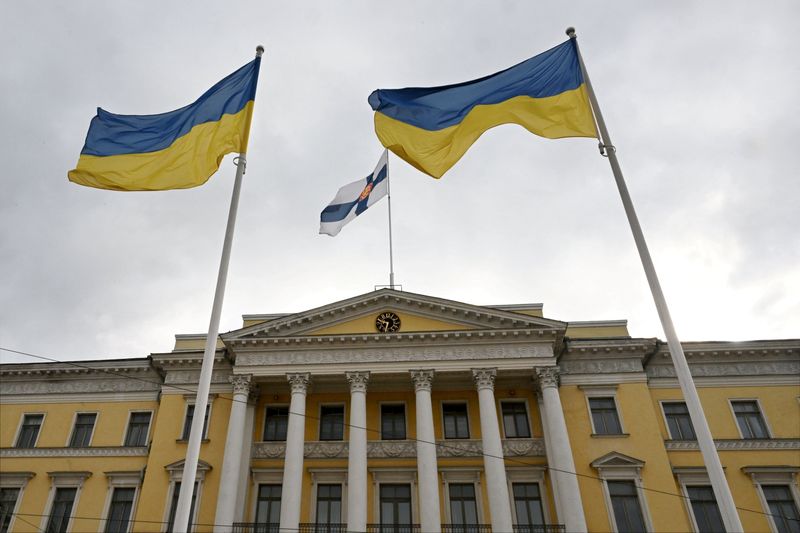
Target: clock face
{"points": [[387, 322]]}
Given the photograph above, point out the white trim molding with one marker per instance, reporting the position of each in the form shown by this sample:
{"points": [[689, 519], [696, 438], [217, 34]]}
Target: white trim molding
{"points": [[615, 466], [529, 474], [15, 480], [328, 476], [462, 475], [774, 475], [121, 479], [394, 476], [67, 480]]}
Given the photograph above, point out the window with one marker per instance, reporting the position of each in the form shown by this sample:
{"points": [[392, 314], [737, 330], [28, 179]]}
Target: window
{"points": [[331, 422], [395, 506], [8, 500], [276, 422], [748, 417], [528, 504], [782, 507], [138, 427], [515, 420], [456, 425], [173, 507], [625, 505], [393, 421], [463, 507], [61, 510], [605, 418], [705, 509], [187, 424], [82, 432], [678, 421], [329, 505], [119, 512], [29, 431], [268, 508]]}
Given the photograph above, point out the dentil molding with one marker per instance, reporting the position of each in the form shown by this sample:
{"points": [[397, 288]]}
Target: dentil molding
{"points": [[93, 451], [736, 444]]}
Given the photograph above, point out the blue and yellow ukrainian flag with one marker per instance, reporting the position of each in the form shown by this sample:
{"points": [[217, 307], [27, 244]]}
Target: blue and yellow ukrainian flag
{"points": [[431, 128], [174, 150]]}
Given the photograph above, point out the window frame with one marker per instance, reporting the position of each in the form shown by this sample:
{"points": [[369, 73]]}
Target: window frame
{"points": [[442, 405], [175, 471], [262, 476], [345, 434], [771, 476], [264, 429], [63, 480], [328, 476], [462, 476], [128, 426], [613, 398], [761, 413], [394, 476], [405, 419], [666, 419], [187, 429], [22, 423], [524, 403], [15, 480], [125, 480], [610, 471], [74, 427], [692, 477], [528, 475]]}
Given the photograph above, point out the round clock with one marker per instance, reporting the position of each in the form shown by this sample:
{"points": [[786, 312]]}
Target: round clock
{"points": [[387, 322]]}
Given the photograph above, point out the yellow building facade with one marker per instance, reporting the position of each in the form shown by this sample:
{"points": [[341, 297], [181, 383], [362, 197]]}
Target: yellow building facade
{"points": [[400, 412]]}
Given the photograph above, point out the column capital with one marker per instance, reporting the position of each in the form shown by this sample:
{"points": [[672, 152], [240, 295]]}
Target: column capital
{"points": [[241, 383], [299, 381], [484, 377], [547, 376], [357, 380], [423, 379]]}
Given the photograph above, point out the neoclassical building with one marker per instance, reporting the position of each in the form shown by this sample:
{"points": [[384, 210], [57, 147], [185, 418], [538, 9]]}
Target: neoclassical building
{"points": [[399, 412]]}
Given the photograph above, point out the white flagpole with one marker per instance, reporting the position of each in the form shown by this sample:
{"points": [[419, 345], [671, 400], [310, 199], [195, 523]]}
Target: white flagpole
{"points": [[182, 518], [727, 507], [389, 200]]}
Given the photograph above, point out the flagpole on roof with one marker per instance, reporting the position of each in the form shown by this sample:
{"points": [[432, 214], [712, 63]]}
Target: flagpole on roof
{"points": [[389, 200], [705, 441], [183, 508]]}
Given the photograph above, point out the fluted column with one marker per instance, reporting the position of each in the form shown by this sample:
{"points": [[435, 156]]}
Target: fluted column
{"points": [[292, 491], [231, 462], [493, 463], [559, 452], [427, 468], [357, 454]]}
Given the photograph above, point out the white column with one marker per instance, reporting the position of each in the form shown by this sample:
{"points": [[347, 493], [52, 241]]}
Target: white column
{"points": [[292, 491], [229, 479], [357, 454], [493, 463], [559, 452], [244, 465], [427, 469]]}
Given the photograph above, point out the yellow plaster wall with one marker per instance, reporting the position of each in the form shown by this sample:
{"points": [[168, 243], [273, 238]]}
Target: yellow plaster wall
{"points": [[408, 322]]}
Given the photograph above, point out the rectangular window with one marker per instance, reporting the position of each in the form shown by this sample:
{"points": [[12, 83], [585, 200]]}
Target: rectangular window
{"points": [[393, 421], [29, 431], [395, 506], [782, 507], [456, 424], [528, 504], [678, 421], [329, 505], [625, 503], [82, 432], [276, 422], [604, 416], [173, 508], [268, 508], [331, 422], [8, 500], [705, 509], [750, 421], [138, 426], [119, 512], [463, 507], [515, 420], [187, 424], [61, 510]]}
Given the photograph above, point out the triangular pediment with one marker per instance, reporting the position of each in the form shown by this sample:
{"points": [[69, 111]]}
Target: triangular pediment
{"points": [[417, 313], [617, 460]]}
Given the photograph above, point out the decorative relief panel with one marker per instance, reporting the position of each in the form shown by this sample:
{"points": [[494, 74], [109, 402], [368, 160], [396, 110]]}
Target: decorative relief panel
{"points": [[729, 369], [606, 366], [85, 386], [108, 451], [737, 444], [183, 377]]}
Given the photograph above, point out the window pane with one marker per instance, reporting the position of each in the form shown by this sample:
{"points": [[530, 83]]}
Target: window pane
{"points": [[119, 512], [187, 424], [678, 421], [82, 432], [176, 492], [329, 504], [276, 423], [395, 504], [750, 421], [705, 509], [782, 507], [456, 425], [61, 510], [528, 504], [604, 416], [8, 500], [393, 421], [331, 424], [515, 420], [268, 506], [29, 431], [138, 426], [625, 503], [463, 508]]}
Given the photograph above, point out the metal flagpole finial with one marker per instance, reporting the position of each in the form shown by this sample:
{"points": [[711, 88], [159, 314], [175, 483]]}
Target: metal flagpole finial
{"points": [[571, 32], [259, 50]]}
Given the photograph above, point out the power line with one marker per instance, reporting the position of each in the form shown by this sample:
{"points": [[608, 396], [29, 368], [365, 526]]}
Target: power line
{"points": [[372, 430]]}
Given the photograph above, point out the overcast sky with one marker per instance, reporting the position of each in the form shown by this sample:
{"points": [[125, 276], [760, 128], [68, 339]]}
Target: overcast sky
{"points": [[700, 99]]}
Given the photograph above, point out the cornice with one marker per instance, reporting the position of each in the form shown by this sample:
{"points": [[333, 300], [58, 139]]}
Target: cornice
{"points": [[736, 444], [93, 451]]}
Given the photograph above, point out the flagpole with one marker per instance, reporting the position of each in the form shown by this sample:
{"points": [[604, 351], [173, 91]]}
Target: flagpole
{"points": [[727, 507], [389, 200], [183, 508]]}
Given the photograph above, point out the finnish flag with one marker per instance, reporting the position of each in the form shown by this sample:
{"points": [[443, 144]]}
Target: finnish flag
{"points": [[354, 198]]}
